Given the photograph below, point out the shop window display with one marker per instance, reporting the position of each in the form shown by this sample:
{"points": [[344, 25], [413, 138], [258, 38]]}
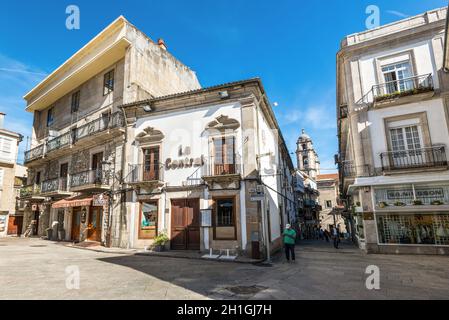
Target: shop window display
{"points": [[422, 229]]}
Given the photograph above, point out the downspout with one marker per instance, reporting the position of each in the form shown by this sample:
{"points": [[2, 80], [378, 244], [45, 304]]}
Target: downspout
{"points": [[123, 192], [445, 49]]}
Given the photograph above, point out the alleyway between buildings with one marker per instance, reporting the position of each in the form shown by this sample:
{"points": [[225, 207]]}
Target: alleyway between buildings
{"points": [[36, 269]]}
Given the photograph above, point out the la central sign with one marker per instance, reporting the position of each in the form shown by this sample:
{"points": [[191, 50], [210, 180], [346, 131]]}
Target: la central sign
{"points": [[184, 163]]}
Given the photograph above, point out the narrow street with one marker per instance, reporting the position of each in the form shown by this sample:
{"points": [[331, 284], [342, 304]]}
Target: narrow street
{"points": [[36, 269]]}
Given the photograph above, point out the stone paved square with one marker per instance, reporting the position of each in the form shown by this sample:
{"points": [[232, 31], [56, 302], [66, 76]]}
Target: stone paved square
{"points": [[320, 272]]}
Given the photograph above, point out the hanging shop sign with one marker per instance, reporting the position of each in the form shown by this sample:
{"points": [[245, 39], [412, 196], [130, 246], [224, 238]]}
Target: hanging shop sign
{"points": [[100, 200]]}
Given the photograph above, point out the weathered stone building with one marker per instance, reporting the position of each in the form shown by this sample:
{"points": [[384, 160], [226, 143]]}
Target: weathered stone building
{"points": [[329, 200], [78, 132], [128, 146]]}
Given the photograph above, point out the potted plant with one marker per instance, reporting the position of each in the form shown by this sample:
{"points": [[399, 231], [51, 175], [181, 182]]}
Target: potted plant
{"points": [[417, 202], [399, 204], [49, 233], [437, 203], [159, 242], [383, 204]]}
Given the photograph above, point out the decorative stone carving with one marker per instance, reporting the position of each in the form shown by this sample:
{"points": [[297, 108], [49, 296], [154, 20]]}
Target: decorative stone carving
{"points": [[223, 123], [149, 135]]}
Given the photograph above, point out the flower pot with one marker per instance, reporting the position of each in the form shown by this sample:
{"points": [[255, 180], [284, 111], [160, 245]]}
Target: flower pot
{"points": [[159, 248]]}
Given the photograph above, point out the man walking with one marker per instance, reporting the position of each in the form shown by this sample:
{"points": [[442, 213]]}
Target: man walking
{"points": [[335, 236], [289, 236]]}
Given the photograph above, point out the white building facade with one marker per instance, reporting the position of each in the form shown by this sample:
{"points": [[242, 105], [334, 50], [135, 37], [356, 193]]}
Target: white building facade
{"points": [[394, 134]]}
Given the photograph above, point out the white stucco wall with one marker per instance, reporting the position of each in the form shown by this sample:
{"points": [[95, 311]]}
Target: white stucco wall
{"points": [[435, 116], [424, 58]]}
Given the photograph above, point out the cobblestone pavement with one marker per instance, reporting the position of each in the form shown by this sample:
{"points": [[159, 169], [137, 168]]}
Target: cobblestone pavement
{"points": [[36, 269]]}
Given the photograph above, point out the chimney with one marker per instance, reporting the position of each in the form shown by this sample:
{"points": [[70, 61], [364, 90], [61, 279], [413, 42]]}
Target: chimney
{"points": [[161, 44], [2, 119]]}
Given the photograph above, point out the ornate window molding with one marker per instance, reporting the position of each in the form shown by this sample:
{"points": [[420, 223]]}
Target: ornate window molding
{"points": [[149, 135]]}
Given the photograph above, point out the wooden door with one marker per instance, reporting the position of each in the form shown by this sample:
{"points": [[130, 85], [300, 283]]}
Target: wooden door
{"points": [[185, 224], [15, 225], [94, 224], [76, 224], [151, 164]]}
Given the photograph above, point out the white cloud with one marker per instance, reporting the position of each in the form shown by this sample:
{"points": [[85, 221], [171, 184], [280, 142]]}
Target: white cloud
{"points": [[398, 13], [16, 79]]}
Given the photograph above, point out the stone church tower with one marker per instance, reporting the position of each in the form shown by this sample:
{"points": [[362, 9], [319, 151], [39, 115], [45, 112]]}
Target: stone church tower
{"points": [[307, 157]]}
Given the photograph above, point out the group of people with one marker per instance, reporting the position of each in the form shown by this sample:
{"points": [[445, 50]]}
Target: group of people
{"points": [[290, 236]]}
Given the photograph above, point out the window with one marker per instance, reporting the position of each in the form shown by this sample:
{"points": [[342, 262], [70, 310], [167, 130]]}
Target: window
{"points": [[50, 117], [75, 101], [423, 229], [328, 204], [224, 155], [405, 141], [225, 212], [38, 177], [397, 77], [148, 220], [108, 83], [6, 148], [151, 164]]}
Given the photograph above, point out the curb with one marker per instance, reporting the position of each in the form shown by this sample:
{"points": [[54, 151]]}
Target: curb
{"points": [[150, 254]]}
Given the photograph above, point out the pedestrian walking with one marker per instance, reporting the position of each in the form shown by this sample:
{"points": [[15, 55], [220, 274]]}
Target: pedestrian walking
{"points": [[335, 236], [289, 237], [321, 234], [326, 235]]}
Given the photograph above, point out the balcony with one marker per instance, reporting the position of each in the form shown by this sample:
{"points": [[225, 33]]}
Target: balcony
{"points": [[31, 192], [145, 175], [350, 170], [59, 142], [220, 175], [90, 180], [399, 92], [54, 187], [34, 153], [432, 157], [101, 129]]}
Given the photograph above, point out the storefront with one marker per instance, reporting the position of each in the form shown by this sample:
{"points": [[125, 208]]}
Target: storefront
{"points": [[83, 217], [412, 218]]}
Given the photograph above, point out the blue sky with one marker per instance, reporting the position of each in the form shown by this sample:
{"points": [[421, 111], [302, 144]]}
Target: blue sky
{"points": [[291, 45]]}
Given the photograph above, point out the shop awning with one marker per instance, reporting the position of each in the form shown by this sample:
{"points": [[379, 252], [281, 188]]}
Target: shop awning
{"points": [[78, 201]]}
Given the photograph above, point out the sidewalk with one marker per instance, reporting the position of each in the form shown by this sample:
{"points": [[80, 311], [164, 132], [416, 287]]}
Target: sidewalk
{"points": [[194, 255], [345, 246]]}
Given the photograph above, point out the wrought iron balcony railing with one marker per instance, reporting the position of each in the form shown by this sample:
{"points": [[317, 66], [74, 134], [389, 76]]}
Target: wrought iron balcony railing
{"points": [[222, 167], [350, 170], [34, 153], [392, 90], [141, 173], [103, 123], [59, 142], [55, 185], [30, 190], [90, 177], [430, 157]]}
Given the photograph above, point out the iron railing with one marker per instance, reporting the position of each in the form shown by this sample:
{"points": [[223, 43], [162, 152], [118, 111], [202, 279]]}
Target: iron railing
{"points": [[54, 185], [103, 123], [221, 167], [34, 153], [350, 170], [432, 157], [30, 190], [59, 142], [98, 125], [89, 177], [144, 173], [396, 89]]}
